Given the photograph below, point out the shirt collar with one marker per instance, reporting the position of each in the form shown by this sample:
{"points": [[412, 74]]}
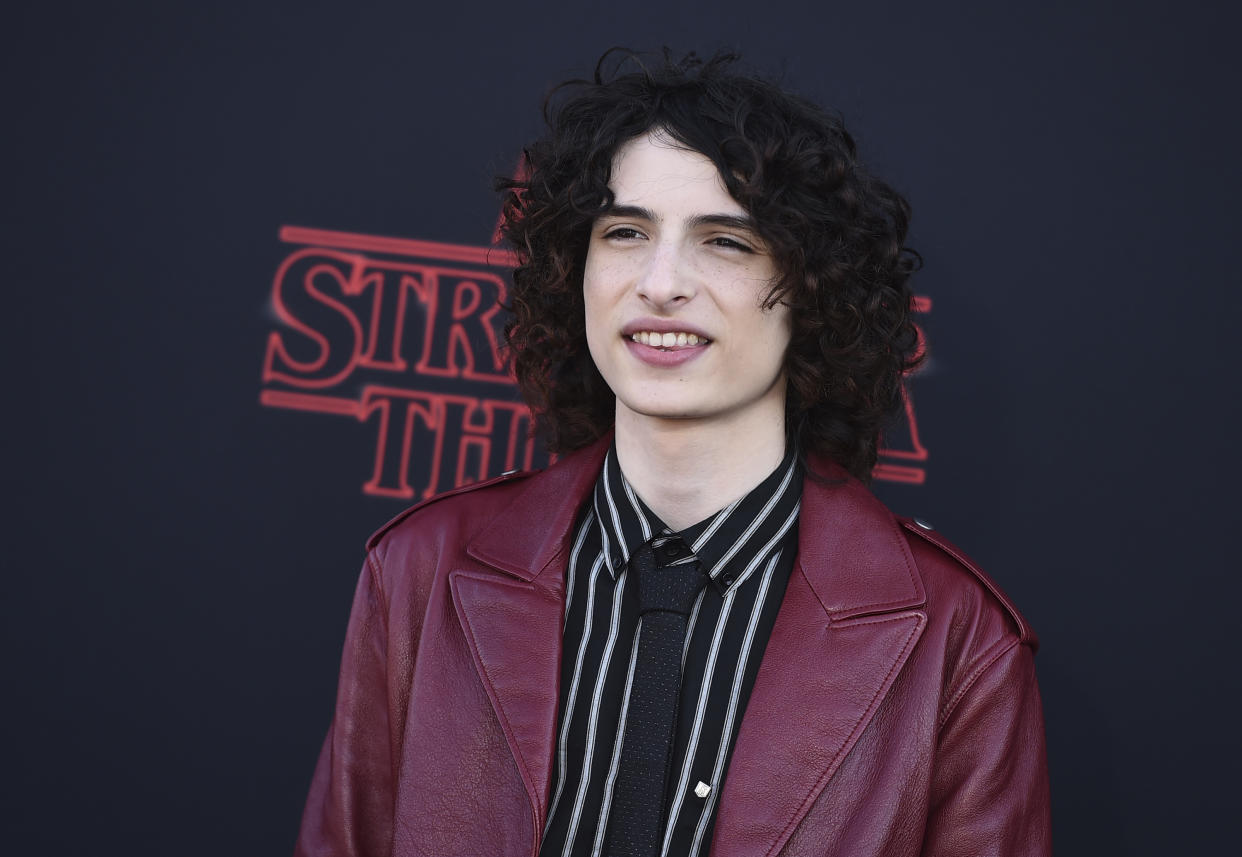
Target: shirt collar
{"points": [[738, 532]]}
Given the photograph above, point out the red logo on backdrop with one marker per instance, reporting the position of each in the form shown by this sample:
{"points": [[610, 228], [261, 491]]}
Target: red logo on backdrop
{"points": [[404, 336]]}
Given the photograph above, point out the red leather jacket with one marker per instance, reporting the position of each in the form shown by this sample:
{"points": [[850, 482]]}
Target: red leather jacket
{"points": [[895, 713]]}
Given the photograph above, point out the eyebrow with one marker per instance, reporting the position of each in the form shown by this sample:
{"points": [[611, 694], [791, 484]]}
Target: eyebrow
{"points": [[729, 221]]}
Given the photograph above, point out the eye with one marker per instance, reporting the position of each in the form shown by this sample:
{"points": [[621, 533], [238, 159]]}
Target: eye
{"points": [[731, 243], [622, 233]]}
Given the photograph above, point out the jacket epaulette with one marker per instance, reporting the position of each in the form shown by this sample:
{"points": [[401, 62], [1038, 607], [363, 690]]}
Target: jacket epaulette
{"points": [[507, 476], [928, 533]]}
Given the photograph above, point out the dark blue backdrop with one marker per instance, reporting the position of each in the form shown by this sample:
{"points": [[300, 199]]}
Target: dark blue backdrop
{"points": [[179, 559]]}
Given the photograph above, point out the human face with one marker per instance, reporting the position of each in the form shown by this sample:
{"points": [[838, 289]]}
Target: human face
{"points": [[674, 284]]}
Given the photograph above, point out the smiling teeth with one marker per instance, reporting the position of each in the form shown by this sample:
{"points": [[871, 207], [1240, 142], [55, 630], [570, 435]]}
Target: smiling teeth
{"points": [[666, 340]]}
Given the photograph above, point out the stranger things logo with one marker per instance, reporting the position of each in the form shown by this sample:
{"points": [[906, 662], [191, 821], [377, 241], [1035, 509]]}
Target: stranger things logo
{"points": [[404, 337]]}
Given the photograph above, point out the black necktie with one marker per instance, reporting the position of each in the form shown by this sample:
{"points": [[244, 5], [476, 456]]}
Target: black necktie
{"points": [[666, 595]]}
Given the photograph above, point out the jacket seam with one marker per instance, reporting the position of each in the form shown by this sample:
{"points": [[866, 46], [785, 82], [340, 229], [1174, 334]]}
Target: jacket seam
{"points": [[375, 571], [985, 663], [377, 583], [1024, 631], [377, 536]]}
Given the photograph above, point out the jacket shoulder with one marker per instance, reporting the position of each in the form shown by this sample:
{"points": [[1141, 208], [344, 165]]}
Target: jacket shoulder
{"points": [[479, 490], [920, 532]]}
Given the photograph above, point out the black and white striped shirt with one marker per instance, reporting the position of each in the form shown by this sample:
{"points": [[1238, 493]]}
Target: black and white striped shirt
{"points": [[747, 550]]}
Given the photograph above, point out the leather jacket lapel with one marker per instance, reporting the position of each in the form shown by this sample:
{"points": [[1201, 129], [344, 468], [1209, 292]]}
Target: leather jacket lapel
{"points": [[844, 631], [511, 602], [506, 623]]}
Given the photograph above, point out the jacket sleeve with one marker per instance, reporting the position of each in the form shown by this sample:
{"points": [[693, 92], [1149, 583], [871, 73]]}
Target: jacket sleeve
{"points": [[349, 810], [990, 783]]}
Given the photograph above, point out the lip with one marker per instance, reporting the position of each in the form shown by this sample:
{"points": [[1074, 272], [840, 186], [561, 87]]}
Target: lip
{"points": [[664, 357]]}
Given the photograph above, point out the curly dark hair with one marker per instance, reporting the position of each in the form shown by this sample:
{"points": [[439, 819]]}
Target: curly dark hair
{"points": [[836, 233]]}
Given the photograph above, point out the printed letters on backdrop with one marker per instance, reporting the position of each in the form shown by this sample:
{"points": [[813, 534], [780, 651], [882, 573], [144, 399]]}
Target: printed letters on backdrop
{"points": [[406, 336]]}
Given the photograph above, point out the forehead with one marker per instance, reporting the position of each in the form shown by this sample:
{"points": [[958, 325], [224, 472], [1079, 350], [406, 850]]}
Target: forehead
{"points": [[656, 172]]}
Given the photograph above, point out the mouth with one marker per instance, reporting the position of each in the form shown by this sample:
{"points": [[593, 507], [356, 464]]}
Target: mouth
{"points": [[668, 340]]}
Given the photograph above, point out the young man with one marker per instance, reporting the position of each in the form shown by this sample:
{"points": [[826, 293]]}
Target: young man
{"points": [[697, 633]]}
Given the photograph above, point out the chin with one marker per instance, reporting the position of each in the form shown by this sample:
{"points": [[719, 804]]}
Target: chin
{"points": [[665, 410]]}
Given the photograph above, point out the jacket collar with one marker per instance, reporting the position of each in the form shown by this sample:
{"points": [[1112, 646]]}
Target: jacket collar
{"points": [[851, 548], [524, 538]]}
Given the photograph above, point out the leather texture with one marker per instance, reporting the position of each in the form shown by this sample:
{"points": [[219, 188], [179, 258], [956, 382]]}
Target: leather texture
{"points": [[896, 711]]}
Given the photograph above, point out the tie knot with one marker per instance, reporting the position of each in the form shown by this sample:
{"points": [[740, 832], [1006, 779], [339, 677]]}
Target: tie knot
{"points": [[671, 588]]}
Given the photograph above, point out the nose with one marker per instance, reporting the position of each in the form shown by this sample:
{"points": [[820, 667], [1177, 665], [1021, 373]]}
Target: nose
{"points": [[665, 280]]}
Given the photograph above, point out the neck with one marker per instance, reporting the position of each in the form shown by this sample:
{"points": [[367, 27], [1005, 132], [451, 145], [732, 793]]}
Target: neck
{"points": [[685, 470]]}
